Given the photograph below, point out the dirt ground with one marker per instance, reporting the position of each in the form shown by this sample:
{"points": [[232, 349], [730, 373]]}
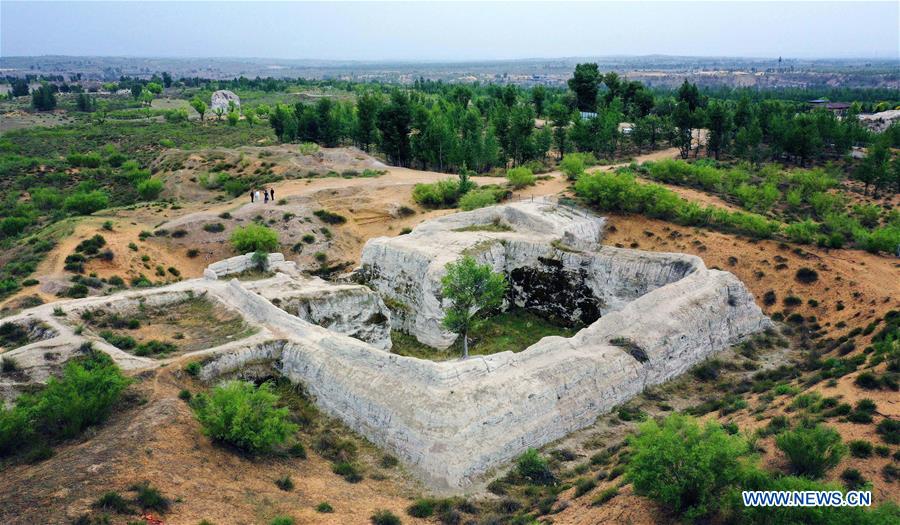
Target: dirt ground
{"points": [[157, 439]]}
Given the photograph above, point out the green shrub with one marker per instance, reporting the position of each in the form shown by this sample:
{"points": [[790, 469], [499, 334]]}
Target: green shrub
{"points": [[804, 232], [329, 217], [285, 483], [621, 192], [388, 461], [150, 498], [83, 396], [193, 368], [324, 508], [149, 189], [244, 416], [86, 202], [573, 165], [85, 160], [113, 502], [421, 508], [860, 448], [686, 467], [348, 471], [441, 194], [532, 467], [889, 430], [384, 517], [812, 451], [254, 238], [214, 227], [520, 177], [605, 496], [282, 520], [807, 275], [477, 199], [583, 486]]}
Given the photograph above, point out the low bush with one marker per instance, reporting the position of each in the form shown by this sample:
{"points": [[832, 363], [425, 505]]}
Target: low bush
{"points": [[113, 502], [684, 466], [285, 483], [860, 448], [329, 217], [520, 177], [82, 397], [583, 486], [806, 275], [348, 471], [384, 517], [324, 508], [244, 416], [193, 368], [254, 238], [477, 199], [441, 194], [532, 467], [605, 496], [889, 430], [421, 508], [811, 451], [150, 498]]}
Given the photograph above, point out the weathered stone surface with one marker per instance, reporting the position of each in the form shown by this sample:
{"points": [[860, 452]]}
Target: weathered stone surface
{"points": [[221, 98], [242, 263], [349, 309], [452, 421], [550, 255]]}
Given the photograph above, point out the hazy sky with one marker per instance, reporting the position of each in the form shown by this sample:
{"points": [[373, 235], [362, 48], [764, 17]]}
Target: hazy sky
{"points": [[450, 31]]}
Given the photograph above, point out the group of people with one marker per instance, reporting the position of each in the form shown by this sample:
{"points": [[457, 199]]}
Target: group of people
{"points": [[268, 194]]}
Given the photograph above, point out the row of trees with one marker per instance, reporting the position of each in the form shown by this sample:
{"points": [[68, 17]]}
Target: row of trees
{"points": [[447, 127]]}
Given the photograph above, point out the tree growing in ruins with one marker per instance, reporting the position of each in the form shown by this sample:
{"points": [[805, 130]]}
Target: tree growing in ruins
{"points": [[470, 287]]}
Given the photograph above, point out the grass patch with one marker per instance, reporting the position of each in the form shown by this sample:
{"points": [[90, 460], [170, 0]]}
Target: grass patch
{"points": [[514, 331]]}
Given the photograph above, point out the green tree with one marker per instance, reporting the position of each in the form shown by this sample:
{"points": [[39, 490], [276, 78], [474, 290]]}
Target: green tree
{"points": [[684, 121], [585, 83], [154, 88], [242, 415], [43, 98], [233, 118], [366, 131], [719, 126], [539, 99], [686, 467], [469, 287], [199, 106], [19, 88], [250, 117], [560, 117], [874, 169], [254, 238], [394, 124]]}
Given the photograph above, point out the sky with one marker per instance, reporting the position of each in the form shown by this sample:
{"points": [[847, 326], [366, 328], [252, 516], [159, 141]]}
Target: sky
{"points": [[460, 31]]}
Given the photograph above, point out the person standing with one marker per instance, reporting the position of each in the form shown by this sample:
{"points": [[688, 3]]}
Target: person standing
{"points": [[266, 193], [272, 193], [252, 196]]}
